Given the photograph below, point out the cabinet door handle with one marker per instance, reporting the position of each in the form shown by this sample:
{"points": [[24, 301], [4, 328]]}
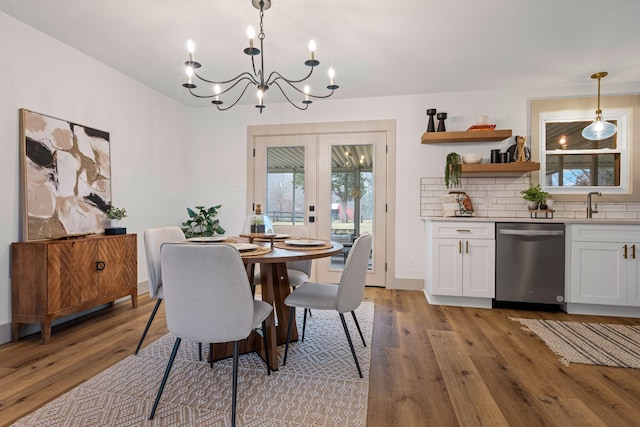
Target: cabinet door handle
{"points": [[467, 246], [100, 265], [464, 230], [460, 246], [625, 252], [633, 251]]}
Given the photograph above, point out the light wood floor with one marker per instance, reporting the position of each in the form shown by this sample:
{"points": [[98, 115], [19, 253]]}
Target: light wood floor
{"points": [[431, 366]]}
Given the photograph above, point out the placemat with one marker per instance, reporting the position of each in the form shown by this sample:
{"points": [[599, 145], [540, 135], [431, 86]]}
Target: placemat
{"points": [[282, 245], [255, 252]]}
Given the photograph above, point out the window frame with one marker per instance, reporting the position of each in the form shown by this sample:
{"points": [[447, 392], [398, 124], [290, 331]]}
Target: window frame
{"points": [[630, 103], [621, 116]]}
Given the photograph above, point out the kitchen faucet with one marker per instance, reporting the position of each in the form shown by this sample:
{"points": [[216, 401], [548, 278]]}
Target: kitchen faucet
{"points": [[590, 209]]}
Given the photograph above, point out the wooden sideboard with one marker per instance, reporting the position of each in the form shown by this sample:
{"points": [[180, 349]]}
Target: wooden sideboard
{"points": [[55, 278]]}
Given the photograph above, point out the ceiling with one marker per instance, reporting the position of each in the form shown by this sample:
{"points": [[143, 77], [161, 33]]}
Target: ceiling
{"points": [[378, 48]]}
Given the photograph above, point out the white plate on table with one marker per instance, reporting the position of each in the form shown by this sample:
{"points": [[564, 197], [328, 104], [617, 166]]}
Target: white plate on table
{"points": [[304, 242], [281, 236], [243, 247], [209, 239]]}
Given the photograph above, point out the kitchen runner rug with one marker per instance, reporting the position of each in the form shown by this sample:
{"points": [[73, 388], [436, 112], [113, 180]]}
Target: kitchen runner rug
{"points": [[589, 343], [318, 387]]}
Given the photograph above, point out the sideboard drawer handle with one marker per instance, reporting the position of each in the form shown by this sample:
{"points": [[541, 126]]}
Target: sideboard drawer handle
{"points": [[100, 265], [463, 231]]}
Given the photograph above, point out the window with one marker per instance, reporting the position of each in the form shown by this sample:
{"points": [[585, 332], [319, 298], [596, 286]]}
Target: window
{"points": [[572, 166]]}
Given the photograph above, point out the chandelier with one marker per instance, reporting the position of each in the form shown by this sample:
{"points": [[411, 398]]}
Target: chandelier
{"points": [[217, 89]]}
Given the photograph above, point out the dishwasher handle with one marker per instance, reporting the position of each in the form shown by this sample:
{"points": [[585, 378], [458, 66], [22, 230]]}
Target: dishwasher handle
{"points": [[513, 232]]}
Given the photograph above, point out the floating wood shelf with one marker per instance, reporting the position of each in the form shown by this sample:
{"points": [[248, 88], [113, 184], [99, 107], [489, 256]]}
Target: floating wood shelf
{"points": [[516, 167], [466, 136]]}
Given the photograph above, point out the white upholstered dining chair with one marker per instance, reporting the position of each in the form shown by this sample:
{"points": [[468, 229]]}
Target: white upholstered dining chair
{"points": [[343, 297], [208, 299], [298, 272], [153, 240]]}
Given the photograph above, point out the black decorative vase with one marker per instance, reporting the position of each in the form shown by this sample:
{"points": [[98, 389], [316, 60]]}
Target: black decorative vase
{"points": [[431, 127], [441, 118]]}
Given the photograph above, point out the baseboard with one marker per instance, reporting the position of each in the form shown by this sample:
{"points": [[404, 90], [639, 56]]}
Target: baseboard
{"points": [[407, 284], [32, 328]]}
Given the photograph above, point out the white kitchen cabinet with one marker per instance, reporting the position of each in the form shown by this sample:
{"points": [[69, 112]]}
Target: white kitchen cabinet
{"points": [[605, 264], [463, 259]]}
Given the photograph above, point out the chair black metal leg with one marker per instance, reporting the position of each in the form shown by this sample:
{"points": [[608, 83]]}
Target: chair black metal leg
{"points": [[304, 323], [146, 329], [292, 314], [234, 388], [165, 377], [353, 313], [211, 355], [353, 351], [266, 346], [199, 352]]}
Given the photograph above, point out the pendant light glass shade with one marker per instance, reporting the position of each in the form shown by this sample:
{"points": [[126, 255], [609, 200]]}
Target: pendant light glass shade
{"points": [[599, 129]]}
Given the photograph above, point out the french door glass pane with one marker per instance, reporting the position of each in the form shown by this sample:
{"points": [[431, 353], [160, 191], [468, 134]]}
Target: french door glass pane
{"points": [[352, 195], [285, 185]]}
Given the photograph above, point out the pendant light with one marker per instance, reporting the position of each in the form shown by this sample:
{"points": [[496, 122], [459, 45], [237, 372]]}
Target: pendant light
{"points": [[599, 129]]}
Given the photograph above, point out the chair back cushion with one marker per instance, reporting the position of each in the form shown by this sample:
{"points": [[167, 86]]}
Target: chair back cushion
{"points": [[206, 292], [153, 239], [296, 231], [354, 275]]}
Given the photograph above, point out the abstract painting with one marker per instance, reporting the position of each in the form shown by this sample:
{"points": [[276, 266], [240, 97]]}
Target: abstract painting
{"points": [[65, 177]]}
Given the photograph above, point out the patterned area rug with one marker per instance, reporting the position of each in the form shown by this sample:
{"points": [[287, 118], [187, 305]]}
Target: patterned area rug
{"points": [[318, 387], [589, 343]]}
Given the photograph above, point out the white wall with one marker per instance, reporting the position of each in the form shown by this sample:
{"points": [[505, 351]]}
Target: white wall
{"points": [[149, 134]]}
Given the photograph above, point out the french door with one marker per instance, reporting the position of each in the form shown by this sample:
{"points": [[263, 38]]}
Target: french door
{"points": [[332, 184]]}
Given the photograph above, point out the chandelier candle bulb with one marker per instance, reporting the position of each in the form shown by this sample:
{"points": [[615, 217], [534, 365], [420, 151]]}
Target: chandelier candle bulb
{"points": [[312, 48], [191, 48], [251, 33], [306, 95]]}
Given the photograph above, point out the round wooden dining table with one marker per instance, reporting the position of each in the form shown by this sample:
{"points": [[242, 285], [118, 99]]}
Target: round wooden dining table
{"points": [[274, 288]]}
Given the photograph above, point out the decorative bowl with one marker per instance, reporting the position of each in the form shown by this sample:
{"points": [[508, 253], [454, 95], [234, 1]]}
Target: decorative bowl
{"points": [[471, 158]]}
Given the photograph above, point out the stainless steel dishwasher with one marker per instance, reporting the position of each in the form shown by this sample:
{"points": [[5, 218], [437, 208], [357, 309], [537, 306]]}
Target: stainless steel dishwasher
{"points": [[530, 262]]}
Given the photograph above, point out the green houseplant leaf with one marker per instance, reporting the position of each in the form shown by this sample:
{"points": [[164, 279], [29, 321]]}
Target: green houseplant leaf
{"points": [[453, 170], [202, 222]]}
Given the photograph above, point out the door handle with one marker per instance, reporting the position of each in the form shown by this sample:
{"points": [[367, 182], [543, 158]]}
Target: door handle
{"points": [[625, 252], [100, 265], [459, 246], [467, 246], [633, 251]]}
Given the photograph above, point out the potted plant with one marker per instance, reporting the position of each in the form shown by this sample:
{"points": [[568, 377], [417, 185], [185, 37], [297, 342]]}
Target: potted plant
{"points": [[535, 196], [257, 225], [453, 170], [202, 223], [115, 215]]}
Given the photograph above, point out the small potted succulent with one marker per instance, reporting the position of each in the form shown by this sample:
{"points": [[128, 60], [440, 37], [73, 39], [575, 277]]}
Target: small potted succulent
{"points": [[115, 215], [257, 225]]}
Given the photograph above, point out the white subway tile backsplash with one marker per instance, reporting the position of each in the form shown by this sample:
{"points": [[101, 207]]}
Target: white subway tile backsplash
{"points": [[499, 197]]}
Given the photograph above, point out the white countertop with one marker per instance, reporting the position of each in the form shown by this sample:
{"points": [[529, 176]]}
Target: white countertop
{"points": [[612, 221]]}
